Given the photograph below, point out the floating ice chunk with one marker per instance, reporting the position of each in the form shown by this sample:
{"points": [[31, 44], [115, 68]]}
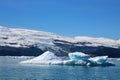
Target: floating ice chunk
{"points": [[78, 56], [100, 59], [45, 58]]}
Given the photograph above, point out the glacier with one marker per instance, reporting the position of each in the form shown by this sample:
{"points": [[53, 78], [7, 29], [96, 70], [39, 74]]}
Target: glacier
{"points": [[74, 59], [14, 37], [33, 43]]}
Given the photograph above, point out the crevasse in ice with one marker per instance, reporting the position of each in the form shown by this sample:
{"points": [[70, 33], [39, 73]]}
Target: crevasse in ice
{"points": [[75, 58]]}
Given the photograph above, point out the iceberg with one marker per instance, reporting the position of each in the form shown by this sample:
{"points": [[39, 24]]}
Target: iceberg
{"points": [[75, 58], [46, 58], [78, 56], [101, 60]]}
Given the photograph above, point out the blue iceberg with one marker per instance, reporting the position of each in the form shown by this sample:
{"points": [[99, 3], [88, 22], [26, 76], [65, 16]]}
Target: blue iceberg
{"points": [[75, 58], [78, 56]]}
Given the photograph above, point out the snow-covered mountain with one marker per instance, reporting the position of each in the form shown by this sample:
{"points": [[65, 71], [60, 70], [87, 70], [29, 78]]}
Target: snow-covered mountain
{"points": [[16, 38]]}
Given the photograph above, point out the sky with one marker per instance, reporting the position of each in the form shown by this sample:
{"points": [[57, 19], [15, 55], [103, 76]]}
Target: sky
{"points": [[93, 18]]}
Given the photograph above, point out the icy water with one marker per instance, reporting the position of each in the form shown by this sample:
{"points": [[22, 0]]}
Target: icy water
{"points": [[10, 69]]}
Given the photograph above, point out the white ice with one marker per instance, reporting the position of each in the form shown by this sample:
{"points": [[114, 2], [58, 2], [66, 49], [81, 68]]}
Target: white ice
{"points": [[76, 58], [46, 58]]}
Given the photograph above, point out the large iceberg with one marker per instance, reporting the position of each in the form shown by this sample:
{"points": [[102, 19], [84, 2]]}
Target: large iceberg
{"points": [[76, 58], [46, 58]]}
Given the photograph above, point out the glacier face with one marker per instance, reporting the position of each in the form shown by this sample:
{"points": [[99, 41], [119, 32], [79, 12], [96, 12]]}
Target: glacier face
{"points": [[23, 38]]}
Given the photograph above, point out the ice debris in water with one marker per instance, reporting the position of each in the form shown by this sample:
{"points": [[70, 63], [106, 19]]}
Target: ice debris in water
{"points": [[76, 58]]}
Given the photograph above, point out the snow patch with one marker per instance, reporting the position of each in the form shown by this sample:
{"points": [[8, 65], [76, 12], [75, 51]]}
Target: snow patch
{"points": [[98, 41]]}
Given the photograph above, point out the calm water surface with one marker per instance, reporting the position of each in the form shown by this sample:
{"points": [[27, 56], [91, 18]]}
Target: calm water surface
{"points": [[10, 69]]}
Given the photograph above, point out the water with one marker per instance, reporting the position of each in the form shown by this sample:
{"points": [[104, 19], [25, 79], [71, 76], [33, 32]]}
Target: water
{"points": [[10, 69]]}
